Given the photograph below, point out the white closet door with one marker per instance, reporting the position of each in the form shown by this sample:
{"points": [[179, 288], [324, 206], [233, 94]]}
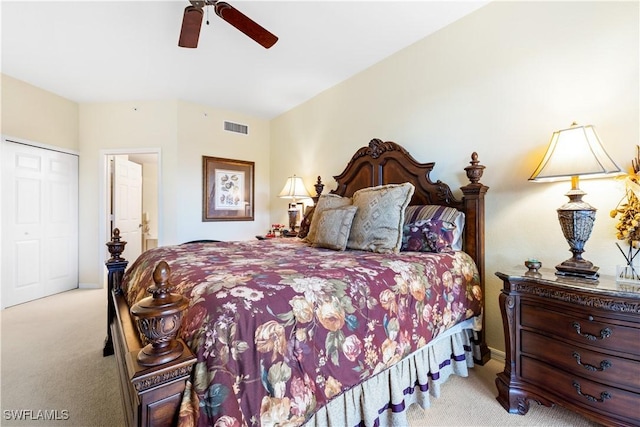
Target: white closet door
{"points": [[39, 222]]}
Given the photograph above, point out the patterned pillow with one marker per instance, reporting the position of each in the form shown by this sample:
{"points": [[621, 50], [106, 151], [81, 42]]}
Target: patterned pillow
{"points": [[444, 213], [326, 201], [306, 222], [428, 235], [377, 226], [333, 228]]}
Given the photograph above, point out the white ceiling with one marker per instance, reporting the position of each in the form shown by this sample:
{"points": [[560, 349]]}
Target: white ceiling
{"points": [[102, 51]]}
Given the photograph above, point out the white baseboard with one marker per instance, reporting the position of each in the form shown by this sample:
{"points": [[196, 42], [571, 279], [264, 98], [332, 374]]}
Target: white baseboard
{"points": [[497, 355]]}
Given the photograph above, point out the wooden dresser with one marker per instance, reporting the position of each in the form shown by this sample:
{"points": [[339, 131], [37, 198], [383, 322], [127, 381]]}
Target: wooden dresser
{"points": [[571, 342]]}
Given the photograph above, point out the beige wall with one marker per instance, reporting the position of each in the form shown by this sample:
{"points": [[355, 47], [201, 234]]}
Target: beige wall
{"points": [[183, 132], [105, 128], [498, 82], [33, 114], [201, 133]]}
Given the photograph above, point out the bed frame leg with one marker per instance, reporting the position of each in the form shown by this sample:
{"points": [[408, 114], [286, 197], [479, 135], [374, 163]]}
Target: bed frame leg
{"points": [[481, 352], [115, 266]]}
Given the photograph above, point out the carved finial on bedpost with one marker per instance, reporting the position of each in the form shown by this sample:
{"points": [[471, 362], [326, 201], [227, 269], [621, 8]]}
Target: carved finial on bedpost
{"points": [[116, 247], [474, 172], [115, 267], [319, 188], [159, 318]]}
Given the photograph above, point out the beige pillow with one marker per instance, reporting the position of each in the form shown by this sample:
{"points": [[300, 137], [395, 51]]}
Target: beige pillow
{"points": [[333, 228], [326, 201], [377, 226]]}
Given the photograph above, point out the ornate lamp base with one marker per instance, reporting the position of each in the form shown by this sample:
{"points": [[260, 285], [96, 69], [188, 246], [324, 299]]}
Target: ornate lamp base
{"points": [[576, 219], [581, 268], [293, 218]]}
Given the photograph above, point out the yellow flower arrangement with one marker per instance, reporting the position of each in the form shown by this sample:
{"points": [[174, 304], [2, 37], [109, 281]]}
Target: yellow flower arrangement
{"points": [[628, 214], [628, 227]]}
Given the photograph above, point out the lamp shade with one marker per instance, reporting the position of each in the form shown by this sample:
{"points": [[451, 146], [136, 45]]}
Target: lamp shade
{"points": [[576, 151], [294, 189]]}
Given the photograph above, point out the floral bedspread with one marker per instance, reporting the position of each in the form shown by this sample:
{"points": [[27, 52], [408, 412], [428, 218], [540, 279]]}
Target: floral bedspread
{"points": [[279, 327]]}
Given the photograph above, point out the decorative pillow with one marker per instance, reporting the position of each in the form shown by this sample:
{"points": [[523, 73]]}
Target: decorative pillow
{"points": [[444, 213], [428, 235], [326, 201], [333, 227], [377, 226], [306, 222]]}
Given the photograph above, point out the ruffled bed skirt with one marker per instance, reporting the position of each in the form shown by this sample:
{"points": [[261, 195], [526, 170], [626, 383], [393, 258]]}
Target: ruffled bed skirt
{"points": [[383, 399]]}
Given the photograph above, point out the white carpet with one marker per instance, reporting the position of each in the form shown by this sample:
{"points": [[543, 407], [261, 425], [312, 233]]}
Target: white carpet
{"points": [[53, 372]]}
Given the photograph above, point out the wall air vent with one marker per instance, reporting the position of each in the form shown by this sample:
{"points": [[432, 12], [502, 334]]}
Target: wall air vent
{"points": [[236, 127]]}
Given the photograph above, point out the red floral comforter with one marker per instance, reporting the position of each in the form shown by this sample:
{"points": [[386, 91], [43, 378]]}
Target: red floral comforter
{"points": [[280, 327]]}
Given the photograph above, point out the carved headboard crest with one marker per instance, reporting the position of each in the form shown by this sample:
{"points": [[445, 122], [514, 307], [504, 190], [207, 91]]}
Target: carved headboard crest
{"points": [[377, 147]]}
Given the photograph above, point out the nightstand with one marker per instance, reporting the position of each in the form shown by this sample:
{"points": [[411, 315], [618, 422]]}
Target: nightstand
{"points": [[572, 342]]}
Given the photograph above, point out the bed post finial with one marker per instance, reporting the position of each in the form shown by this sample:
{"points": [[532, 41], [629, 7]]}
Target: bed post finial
{"points": [[159, 317], [319, 188], [475, 171], [116, 247]]}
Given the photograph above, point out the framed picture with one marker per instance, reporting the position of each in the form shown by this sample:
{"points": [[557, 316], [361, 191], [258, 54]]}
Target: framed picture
{"points": [[227, 190]]}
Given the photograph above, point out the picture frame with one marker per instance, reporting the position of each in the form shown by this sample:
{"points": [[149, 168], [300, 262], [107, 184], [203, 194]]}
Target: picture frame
{"points": [[227, 189]]}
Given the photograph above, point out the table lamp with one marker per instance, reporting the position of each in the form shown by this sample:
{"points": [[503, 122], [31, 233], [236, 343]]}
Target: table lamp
{"points": [[573, 153], [293, 189]]}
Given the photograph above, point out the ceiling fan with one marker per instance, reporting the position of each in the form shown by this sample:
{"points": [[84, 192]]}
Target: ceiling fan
{"points": [[192, 22]]}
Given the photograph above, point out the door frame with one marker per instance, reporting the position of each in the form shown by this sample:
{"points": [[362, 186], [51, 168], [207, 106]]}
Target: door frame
{"points": [[103, 220]]}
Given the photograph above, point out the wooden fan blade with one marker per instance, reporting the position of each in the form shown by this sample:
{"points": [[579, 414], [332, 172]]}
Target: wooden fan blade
{"points": [[191, 24], [245, 24]]}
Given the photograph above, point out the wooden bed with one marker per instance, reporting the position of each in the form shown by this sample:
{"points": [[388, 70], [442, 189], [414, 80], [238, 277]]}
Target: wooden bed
{"points": [[152, 386]]}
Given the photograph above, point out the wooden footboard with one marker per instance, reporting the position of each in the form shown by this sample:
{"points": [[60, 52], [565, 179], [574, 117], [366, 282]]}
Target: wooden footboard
{"points": [[151, 394]]}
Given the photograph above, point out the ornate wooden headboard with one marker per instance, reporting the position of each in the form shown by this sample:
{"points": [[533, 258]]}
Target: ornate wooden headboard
{"points": [[385, 162]]}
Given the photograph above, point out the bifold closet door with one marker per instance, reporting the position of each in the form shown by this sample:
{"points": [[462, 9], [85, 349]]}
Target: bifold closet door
{"points": [[39, 222]]}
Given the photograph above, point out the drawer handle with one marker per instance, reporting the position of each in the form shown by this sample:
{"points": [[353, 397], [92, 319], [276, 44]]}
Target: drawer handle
{"points": [[603, 396], [604, 333], [605, 364]]}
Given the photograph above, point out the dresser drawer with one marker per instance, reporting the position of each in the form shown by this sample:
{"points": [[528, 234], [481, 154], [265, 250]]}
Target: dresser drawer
{"points": [[581, 361], [578, 328], [574, 390]]}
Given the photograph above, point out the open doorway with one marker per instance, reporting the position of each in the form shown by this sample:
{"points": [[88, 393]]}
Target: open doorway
{"points": [[130, 200]]}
